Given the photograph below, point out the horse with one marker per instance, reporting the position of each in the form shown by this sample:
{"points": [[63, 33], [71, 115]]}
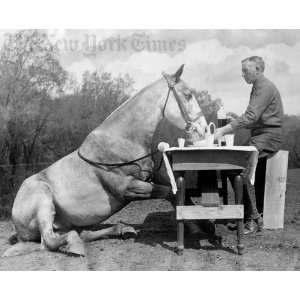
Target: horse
{"points": [[111, 168]]}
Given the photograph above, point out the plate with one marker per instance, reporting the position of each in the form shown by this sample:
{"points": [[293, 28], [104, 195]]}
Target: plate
{"points": [[202, 146], [202, 143]]}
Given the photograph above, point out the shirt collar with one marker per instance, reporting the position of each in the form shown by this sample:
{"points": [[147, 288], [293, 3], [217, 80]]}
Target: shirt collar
{"points": [[259, 80]]}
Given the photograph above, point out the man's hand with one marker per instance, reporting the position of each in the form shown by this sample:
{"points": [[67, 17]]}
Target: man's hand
{"points": [[222, 131], [231, 117]]}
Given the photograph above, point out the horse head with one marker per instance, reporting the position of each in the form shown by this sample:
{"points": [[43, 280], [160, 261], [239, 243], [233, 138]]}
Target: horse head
{"points": [[181, 107]]}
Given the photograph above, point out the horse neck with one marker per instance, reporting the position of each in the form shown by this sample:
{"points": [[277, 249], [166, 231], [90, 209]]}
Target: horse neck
{"points": [[136, 120]]}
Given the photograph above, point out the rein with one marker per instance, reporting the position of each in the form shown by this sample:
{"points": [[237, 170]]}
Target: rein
{"points": [[117, 165]]}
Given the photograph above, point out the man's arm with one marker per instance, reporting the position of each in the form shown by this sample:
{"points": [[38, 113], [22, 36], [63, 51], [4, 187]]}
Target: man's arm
{"points": [[258, 103], [222, 131]]}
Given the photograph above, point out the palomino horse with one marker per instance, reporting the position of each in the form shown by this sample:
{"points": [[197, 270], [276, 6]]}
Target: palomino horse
{"points": [[109, 170]]}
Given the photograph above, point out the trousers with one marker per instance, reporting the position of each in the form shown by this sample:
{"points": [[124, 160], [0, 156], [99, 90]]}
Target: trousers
{"points": [[253, 192], [267, 141]]}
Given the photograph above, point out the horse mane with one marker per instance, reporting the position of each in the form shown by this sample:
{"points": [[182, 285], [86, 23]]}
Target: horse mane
{"points": [[135, 96]]}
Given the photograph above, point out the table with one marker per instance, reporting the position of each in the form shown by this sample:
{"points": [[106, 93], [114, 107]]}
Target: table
{"points": [[207, 159]]}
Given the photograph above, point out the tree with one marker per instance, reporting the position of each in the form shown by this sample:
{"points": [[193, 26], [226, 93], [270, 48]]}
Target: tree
{"points": [[30, 74], [79, 113], [104, 91]]}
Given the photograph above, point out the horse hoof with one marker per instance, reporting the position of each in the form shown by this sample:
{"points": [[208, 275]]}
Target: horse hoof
{"points": [[128, 232], [75, 245]]}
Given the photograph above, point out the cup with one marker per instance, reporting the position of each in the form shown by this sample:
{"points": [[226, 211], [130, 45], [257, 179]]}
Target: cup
{"points": [[181, 142], [221, 142], [229, 139], [210, 140]]}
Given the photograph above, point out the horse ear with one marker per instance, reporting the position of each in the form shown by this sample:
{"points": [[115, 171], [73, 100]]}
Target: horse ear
{"points": [[178, 73], [165, 75], [168, 78]]}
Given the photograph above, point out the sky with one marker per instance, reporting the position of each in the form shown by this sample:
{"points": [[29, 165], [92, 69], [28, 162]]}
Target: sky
{"points": [[212, 58]]}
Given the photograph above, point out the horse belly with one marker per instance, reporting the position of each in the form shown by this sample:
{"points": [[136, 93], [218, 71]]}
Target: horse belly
{"points": [[86, 209]]}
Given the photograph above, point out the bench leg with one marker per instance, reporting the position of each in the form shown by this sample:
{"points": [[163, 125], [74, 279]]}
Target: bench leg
{"points": [[238, 187], [180, 197]]}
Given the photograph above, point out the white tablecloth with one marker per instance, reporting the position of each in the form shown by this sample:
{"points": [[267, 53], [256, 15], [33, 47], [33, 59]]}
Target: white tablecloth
{"points": [[250, 170]]}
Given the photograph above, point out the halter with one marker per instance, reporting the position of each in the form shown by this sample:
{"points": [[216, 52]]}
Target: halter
{"points": [[187, 119]]}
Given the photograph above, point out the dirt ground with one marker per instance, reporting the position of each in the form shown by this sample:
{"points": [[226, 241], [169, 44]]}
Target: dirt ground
{"points": [[153, 249]]}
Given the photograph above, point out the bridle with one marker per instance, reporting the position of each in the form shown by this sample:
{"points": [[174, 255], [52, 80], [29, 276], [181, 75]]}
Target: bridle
{"points": [[187, 119], [184, 113]]}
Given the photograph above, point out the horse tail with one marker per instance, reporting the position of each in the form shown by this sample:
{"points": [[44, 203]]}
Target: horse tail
{"points": [[18, 247]]}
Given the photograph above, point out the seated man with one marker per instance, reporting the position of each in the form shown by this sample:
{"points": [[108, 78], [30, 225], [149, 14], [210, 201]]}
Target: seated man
{"points": [[264, 117]]}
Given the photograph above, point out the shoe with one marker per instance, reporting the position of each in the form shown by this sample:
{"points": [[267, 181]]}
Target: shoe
{"points": [[250, 227], [232, 226], [259, 224]]}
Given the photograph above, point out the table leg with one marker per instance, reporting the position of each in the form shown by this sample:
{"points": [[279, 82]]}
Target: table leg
{"points": [[180, 197], [224, 187], [238, 187]]}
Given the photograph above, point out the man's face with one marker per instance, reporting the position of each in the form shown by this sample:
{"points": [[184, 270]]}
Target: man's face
{"points": [[249, 72]]}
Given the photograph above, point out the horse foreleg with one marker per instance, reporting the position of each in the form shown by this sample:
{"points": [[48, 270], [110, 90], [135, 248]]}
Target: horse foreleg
{"points": [[116, 230], [138, 190]]}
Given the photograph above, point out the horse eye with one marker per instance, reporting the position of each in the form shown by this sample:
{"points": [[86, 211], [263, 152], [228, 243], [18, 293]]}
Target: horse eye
{"points": [[189, 96]]}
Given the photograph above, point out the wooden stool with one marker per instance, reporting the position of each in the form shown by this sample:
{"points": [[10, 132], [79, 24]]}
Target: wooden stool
{"points": [[274, 191]]}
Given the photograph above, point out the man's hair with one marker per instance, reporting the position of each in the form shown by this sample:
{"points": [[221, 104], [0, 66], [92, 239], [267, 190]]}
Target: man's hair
{"points": [[259, 62]]}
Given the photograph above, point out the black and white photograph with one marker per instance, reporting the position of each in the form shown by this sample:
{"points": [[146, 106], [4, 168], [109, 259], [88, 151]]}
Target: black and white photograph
{"points": [[149, 149]]}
